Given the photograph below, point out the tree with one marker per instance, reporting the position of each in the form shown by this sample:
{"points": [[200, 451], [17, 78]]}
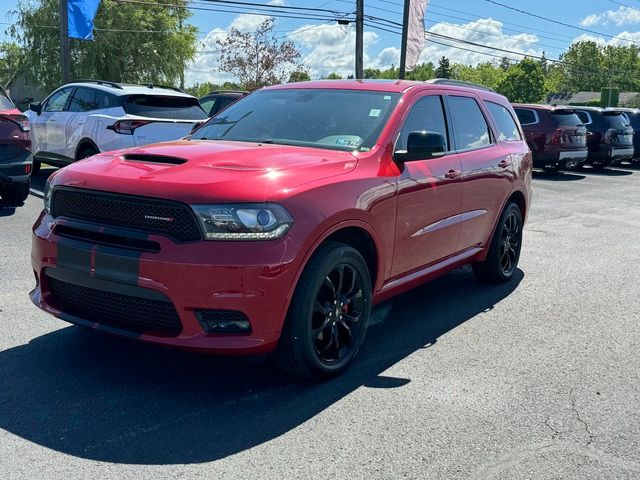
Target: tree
{"points": [[444, 68], [424, 71], [300, 75], [154, 48], [583, 68], [11, 60], [485, 74], [505, 63], [523, 82], [257, 58], [334, 76]]}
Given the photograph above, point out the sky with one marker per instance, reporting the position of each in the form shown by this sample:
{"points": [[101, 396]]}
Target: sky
{"points": [[329, 47]]}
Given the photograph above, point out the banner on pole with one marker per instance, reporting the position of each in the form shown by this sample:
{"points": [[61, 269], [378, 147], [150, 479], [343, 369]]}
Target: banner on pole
{"points": [[415, 32], [81, 14]]}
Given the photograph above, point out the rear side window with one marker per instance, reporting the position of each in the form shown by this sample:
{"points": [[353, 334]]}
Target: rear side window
{"points": [[526, 116], [182, 108], [84, 99], [565, 118], [507, 128], [426, 115], [5, 103], [584, 117], [469, 126], [58, 100], [105, 100], [615, 120], [207, 105]]}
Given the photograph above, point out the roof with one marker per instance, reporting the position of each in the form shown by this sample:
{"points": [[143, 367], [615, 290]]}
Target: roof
{"points": [[542, 107], [391, 86], [119, 89]]}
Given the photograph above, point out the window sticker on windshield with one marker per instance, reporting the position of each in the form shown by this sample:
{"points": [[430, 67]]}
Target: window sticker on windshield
{"points": [[387, 97], [375, 112], [347, 142]]}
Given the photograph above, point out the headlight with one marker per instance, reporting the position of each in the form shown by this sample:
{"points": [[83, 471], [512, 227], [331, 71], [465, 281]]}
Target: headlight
{"points": [[251, 221], [47, 197]]}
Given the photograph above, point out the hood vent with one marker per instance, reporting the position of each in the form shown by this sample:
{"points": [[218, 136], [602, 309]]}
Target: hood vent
{"points": [[142, 157]]}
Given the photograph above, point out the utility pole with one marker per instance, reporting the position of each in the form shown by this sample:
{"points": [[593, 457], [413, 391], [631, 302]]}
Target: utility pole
{"points": [[359, 39], [65, 61], [405, 33]]}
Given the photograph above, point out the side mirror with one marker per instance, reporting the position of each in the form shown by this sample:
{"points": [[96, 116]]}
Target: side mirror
{"points": [[36, 107], [422, 146], [195, 126]]}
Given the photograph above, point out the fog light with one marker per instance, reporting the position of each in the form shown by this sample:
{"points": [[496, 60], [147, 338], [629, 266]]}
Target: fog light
{"points": [[223, 321]]}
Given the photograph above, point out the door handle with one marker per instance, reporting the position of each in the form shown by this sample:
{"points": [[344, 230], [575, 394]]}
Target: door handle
{"points": [[451, 174], [504, 163]]}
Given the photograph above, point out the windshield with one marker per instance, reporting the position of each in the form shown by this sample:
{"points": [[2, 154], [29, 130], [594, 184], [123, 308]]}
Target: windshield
{"points": [[321, 118], [566, 118], [177, 108]]}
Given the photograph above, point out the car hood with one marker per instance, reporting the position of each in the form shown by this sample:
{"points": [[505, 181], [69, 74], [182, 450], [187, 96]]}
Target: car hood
{"points": [[200, 171]]}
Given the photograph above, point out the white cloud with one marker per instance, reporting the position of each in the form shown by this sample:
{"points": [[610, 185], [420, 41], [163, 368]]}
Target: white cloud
{"points": [[624, 39], [621, 16], [484, 31]]}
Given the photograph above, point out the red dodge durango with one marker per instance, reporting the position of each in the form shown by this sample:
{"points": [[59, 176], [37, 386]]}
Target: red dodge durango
{"points": [[276, 225]]}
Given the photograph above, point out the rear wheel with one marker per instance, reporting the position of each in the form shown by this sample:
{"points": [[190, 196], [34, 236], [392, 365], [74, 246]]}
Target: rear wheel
{"points": [[552, 168], [16, 192], [329, 314], [86, 152], [504, 250]]}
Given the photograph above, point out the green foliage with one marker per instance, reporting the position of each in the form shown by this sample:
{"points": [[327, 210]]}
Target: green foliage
{"points": [[204, 88], [523, 82], [334, 76], [485, 74], [424, 71], [444, 68], [11, 60], [299, 75], [154, 49]]}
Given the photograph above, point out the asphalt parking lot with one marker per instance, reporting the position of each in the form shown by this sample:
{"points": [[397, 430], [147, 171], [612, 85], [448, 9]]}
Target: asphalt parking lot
{"points": [[538, 378]]}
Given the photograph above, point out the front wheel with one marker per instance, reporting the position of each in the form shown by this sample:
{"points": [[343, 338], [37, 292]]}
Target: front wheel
{"points": [[328, 316], [504, 250]]}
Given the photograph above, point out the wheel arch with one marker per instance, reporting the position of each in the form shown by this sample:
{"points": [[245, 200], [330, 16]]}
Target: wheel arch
{"points": [[85, 142]]}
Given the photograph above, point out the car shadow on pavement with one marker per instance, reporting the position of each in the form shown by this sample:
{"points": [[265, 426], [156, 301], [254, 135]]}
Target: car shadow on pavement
{"points": [[609, 171], [7, 209], [557, 176], [108, 399]]}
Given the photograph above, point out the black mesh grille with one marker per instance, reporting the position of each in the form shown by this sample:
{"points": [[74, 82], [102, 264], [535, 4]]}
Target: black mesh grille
{"points": [[122, 311], [153, 215]]}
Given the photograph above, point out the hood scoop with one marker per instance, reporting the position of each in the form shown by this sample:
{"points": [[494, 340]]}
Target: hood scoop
{"points": [[148, 158]]}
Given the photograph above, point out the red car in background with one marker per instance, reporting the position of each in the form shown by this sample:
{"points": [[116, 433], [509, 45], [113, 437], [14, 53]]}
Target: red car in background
{"points": [[16, 160], [277, 224]]}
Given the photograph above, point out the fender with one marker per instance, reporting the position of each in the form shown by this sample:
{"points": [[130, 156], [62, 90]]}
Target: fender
{"points": [[83, 143]]}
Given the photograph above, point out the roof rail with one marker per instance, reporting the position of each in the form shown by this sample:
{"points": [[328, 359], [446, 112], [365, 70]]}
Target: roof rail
{"points": [[227, 91], [459, 83], [99, 82], [168, 87]]}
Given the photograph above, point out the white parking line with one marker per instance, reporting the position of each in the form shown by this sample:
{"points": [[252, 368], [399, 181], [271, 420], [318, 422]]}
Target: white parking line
{"points": [[36, 193]]}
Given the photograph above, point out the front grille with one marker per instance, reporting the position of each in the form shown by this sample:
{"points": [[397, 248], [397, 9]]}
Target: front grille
{"points": [[164, 217], [114, 309]]}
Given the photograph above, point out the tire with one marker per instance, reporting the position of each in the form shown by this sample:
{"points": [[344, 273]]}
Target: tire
{"points": [[86, 152], [598, 166], [497, 268], [552, 169], [321, 336], [17, 192]]}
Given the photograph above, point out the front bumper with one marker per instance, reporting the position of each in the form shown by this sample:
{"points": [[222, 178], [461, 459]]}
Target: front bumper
{"points": [[255, 278]]}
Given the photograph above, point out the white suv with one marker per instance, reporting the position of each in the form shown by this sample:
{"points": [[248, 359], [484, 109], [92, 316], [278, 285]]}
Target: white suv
{"points": [[91, 116]]}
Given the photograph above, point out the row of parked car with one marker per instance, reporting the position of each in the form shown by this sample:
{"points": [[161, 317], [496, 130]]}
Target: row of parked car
{"points": [[83, 118], [568, 137]]}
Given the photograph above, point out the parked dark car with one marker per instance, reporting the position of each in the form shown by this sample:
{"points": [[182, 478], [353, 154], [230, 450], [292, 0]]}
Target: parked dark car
{"points": [[556, 136], [633, 115], [609, 136], [16, 160], [217, 101]]}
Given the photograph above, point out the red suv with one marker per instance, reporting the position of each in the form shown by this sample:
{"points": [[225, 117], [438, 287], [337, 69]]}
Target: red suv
{"points": [[277, 224]]}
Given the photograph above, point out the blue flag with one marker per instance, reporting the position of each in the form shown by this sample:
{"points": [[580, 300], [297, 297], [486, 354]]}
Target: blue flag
{"points": [[81, 15]]}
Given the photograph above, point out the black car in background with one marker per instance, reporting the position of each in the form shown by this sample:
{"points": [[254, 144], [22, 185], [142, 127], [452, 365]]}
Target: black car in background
{"points": [[609, 137], [215, 102], [16, 160], [633, 115], [556, 136]]}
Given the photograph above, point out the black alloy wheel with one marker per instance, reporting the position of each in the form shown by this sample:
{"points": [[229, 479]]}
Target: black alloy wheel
{"points": [[328, 316], [504, 250]]}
